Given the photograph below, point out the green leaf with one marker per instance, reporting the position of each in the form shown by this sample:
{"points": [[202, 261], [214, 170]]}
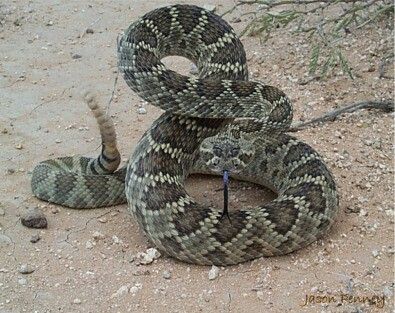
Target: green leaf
{"points": [[329, 64], [344, 64], [344, 22], [314, 59]]}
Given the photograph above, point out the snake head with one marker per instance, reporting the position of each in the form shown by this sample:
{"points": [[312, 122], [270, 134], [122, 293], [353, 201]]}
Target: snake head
{"points": [[226, 153]]}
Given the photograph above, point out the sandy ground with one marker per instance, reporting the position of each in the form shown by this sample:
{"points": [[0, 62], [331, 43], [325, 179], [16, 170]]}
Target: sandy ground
{"points": [[47, 61]]}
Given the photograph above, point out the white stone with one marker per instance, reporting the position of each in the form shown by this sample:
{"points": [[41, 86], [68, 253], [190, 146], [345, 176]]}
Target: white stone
{"points": [[213, 273], [22, 281], [26, 269], [166, 275], [149, 256], [141, 110], [134, 289], [121, 291], [116, 240], [97, 235], [89, 244]]}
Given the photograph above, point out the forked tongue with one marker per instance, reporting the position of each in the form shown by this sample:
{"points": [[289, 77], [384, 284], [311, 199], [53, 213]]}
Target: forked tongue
{"points": [[226, 193]]}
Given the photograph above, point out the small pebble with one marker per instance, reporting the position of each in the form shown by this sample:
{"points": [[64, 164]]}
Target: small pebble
{"points": [[35, 238], [130, 258], [135, 288], [390, 250], [26, 269], [22, 281], [34, 218], [147, 257], [260, 295], [89, 244], [363, 212], [116, 240], [54, 210], [213, 273], [89, 31], [166, 275], [371, 68], [18, 21], [97, 235], [76, 56], [375, 253], [49, 23], [121, 291], [19, 146], [102, 220], [10, 171], [77, 301], [141, 110]]}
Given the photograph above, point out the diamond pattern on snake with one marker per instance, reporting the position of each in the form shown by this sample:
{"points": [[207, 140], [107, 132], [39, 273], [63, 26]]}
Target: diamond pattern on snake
{"points": [[219, 111]]}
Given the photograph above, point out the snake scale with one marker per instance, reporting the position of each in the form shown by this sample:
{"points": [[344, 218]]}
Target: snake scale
{"points": [[220, 100]]}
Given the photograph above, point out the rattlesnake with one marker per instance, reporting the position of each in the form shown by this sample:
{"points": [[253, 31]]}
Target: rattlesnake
{"points": [[196, 109]]}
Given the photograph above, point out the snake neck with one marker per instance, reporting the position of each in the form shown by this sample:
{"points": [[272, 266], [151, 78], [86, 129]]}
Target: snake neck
{"points": [[161, 149]]}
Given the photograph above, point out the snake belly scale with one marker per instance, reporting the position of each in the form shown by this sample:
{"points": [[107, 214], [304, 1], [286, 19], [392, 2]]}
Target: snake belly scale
{"points": [[220, 99]]}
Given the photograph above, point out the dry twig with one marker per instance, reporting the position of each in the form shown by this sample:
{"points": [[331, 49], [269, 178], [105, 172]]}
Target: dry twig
{"points": [[386, 106]]}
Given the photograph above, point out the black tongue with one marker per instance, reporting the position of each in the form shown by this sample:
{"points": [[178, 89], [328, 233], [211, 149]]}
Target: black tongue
{"points": [[226, 195]]}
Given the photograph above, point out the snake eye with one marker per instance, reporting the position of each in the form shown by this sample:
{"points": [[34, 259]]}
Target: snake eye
{"points": [[217, 151]]}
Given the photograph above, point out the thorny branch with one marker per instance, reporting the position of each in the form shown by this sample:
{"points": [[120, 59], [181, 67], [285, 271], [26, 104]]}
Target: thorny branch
{"points": [[272, 4], [325, 24]]}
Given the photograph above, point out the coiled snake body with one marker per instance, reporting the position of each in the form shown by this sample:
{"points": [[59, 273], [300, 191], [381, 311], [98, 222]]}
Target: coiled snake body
{"points": [[195, 109]]}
